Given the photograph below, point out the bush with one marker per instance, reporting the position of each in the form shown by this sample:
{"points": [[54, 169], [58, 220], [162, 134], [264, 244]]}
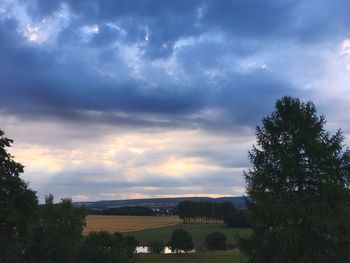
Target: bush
{"points": [[216, 241], [156, 246], [180, 240], [107, 248]]}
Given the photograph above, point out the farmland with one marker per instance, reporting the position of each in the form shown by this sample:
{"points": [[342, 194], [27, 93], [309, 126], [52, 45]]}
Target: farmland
{"points": [[197, 231], [160, 228], [149, 228], [127, 223]]}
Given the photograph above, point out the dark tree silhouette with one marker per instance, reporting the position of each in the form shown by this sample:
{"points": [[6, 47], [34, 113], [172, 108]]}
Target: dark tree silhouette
{"points": [[124, 210], [17, 206], [58, 233], [184, 210], [299, 189], [204, 212], [156, 246], [180, 240], [105, 247]]}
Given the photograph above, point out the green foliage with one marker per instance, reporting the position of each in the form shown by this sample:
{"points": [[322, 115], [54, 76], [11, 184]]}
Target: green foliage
{"points": [[58, 233], [299, 189], [216, 241], [17, 206], [106, 248], [237, 219], [180, 240], [130, 245], [156, 246]]}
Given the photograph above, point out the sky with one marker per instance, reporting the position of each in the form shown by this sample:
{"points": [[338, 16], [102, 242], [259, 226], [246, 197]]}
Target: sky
{"points": [[109, 99]]}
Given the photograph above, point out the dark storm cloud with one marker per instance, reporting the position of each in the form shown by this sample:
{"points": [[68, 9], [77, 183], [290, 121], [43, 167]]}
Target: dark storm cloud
{"points": [[35, 83], [168, 21], [91, 71], [35, 79]]}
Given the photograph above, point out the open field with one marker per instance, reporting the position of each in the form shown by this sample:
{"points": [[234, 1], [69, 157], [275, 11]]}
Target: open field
{"points": [[202, 257], [127, 223], [198, 233]]}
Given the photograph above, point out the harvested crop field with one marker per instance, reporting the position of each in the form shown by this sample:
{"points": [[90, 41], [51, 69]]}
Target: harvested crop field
{"points": [[127, 223]]}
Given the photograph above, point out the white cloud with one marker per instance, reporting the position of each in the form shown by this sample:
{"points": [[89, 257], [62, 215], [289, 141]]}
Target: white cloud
{"points": [[132, 56], [32, 33], [169, 65], [183, 42], [94, 29], [345, 47], [38, 32]]}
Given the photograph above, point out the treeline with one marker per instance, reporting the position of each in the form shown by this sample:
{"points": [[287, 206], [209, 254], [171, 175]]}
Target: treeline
{"points": [[204, 212], [124, 210], [211, 212], [56, 236]]}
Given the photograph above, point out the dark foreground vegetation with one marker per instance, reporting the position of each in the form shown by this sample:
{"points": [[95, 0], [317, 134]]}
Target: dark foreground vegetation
{"points": [[299, 189]]}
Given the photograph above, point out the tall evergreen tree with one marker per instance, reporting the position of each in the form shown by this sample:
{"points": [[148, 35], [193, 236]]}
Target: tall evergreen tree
{"points": [[298, 189]]}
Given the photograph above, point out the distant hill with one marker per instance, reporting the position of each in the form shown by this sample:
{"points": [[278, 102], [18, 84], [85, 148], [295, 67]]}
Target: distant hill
{"points": [[239, 202]]}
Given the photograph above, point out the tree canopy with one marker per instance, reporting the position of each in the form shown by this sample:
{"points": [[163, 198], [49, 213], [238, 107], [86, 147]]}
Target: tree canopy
{"points": [[107, 248], [298, 188], [180, 240], [204, 211], [17, 206], [58, 232]]}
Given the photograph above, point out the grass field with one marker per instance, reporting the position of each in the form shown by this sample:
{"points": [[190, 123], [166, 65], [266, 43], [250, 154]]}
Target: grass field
{"points": [[203, 257], [127, 223], [198, 233]]}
